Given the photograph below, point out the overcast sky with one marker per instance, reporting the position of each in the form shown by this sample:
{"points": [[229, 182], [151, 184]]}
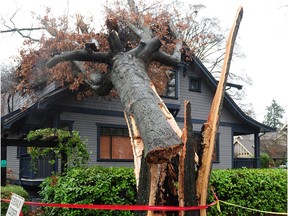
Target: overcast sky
{"points": [[263, 38]]}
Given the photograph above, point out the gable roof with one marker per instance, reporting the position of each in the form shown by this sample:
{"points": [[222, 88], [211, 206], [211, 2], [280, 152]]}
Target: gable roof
{"points": [[9, 119], [228, 101], [196, 64]]}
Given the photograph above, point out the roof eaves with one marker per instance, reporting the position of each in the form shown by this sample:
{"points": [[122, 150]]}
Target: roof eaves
{"points": [[9, 119], [230, 102]]}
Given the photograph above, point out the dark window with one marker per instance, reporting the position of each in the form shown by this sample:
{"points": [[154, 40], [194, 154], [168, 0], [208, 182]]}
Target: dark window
{"points": [[195, 84], [66, 125], [171, 85], [216, 157], [114, 144]]}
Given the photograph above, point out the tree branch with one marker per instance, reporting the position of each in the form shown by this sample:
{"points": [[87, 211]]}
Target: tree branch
{"points": [[80, 55], [21, 29], [166, 59], [99, 82]]}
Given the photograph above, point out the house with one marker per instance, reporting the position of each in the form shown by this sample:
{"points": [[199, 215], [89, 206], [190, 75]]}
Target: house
{"points": [[244, 146], [102, 122]]}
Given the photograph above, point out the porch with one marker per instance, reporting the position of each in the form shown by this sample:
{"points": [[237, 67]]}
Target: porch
{"points": [[245, 163]]}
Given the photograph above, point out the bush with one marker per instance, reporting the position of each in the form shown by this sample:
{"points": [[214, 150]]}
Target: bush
{"points": [[262, 189], [96, 185], [6, 193], [264, 160]]}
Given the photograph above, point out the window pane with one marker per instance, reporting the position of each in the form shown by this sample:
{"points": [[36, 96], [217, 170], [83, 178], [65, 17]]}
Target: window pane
{"points": [[105, 130], [170, 88], [117, 131], [105, 147], [194, 84], [125, 132], [121, 148]]}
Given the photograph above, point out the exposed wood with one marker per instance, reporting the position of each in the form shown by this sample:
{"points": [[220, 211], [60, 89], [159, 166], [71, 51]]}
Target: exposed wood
{"points": [[210, 128], [115, 43], [187, 172], [137, 145], [154, 175]]}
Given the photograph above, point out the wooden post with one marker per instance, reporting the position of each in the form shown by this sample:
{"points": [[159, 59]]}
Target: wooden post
{"points": [[210, 128]]}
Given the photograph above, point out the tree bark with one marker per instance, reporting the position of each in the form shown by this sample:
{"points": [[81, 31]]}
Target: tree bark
{"points": [[142, 104], [187, 170]]}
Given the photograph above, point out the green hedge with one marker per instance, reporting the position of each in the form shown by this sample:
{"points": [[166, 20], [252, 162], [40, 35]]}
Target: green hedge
{"points": [[6, 193], [97, 185], [262, 189]]}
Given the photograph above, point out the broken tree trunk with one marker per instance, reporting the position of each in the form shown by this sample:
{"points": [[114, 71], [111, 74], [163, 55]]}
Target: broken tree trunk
{"points": [[187, 172], [210, 128], [155, 135]]}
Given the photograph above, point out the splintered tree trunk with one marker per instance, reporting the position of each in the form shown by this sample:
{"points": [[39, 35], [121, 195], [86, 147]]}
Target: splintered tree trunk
{"points": [[149, 123], [187, 170], [210, 128]]}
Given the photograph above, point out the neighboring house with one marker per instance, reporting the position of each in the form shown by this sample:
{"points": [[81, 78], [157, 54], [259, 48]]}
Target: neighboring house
{"points": [[244, 146], [275, 145], [102, 122]]}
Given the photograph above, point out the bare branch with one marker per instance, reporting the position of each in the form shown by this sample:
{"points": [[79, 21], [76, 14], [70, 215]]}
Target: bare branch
{"points": [[166, 59], [80, 55], [20, 29], [99, 82], [144, 33]]}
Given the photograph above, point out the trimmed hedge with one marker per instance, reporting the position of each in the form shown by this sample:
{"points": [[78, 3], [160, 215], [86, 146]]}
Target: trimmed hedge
{"points": [[262, 189], [96, 185], [6, 193]]}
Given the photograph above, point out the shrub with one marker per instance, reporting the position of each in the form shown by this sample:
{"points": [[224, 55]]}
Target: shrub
{"points": [[264, 160], [6, 193], [96, 185], [262, 189]]}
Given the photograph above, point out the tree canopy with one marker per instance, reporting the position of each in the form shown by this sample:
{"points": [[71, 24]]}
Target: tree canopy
{"points": [[274, 115], [201, 37]]}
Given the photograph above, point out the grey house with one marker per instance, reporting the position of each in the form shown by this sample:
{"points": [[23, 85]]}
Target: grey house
{"points": [[102, 122]]}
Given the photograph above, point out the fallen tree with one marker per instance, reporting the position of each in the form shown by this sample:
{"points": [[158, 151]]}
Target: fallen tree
{"points": [[164, 155]]}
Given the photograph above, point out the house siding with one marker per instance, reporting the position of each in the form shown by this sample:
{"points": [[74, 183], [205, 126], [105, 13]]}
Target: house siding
{"points": [[87, 113], [86, 124], [200, 104]]}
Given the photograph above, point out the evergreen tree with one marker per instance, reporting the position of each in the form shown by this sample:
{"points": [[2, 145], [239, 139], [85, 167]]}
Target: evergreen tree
{"points": [[274, 115]]}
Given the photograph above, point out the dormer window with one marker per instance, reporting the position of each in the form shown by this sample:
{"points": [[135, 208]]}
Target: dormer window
{"points": [[171, 86], [194, 84]]}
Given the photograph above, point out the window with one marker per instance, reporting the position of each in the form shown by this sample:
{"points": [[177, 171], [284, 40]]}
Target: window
{"points": [[114, 144], [195, 84], [66, 125], [216, 157], [171, 86]]}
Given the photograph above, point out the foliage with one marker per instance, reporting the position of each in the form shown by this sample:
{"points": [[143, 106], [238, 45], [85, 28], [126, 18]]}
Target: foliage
{"points": [[6, 193], [69, 144], [253, 188], [202, 37], [264, 160], [274, 115], [262, 189], [94, 185]]}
